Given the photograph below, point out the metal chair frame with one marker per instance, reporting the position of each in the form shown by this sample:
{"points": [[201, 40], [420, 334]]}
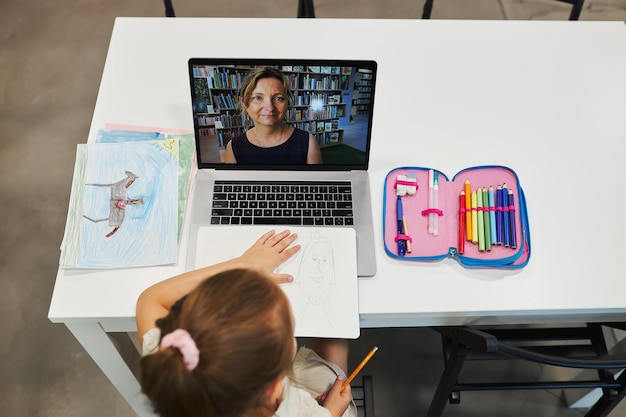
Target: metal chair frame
{"points": [[572, 347]]}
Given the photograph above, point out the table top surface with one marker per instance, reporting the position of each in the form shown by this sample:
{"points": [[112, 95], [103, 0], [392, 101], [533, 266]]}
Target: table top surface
{"points": [[547, 99]]}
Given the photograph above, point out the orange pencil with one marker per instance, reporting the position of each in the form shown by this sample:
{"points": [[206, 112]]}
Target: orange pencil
{"points": [[358, 368]]}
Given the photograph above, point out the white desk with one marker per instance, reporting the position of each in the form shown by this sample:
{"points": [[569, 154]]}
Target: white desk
{"points": [[545, 98]]}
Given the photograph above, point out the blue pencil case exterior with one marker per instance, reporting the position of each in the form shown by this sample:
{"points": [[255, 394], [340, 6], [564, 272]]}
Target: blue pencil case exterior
{"points": [[413, 238]]}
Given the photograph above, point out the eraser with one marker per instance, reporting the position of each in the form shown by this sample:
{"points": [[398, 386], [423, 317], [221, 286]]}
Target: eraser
{"points": [[412, 178], [400, 187]]}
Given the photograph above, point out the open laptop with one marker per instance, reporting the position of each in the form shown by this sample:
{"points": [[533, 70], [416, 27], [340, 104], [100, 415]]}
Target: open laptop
{"points": [[331, 99]]}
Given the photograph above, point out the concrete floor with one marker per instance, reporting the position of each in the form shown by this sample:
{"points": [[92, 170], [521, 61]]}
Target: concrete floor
{"points": [[51, 59]]}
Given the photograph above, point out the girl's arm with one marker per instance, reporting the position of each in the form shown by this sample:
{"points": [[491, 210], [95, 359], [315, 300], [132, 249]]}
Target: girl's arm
{"points": [[265, 255]]}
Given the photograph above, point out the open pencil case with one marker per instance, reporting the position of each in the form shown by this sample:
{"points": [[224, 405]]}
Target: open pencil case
{"points": [[424, 222]]}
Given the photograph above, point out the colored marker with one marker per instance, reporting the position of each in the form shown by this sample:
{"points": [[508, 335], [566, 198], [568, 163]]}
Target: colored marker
{"points": [[481, 219], [499, 217], [474, 219], [492, 215], [487, 221], [513, 229], [468, 211], [506, 225], [401, 242], [431, 186], [436, 204], [462, 216]]}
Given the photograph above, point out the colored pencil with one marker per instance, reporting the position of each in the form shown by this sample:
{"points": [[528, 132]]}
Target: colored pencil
{"points": [[468, 211], [481, 219], [492, 215], [506, 225], [499, 217], [513, 229], [474, 219], [487, 221], [409, 249], [462, 213]]}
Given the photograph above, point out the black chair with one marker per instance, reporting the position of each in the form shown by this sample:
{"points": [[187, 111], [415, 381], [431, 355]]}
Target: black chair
{"points": [[582, 347], [305, 8], [363, 396], [577, 6]]}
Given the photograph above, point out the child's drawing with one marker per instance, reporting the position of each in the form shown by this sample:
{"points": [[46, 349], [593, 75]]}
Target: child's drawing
{"points": [[119, 201], [124, 206], [316, 276], [324, 294], [186, 154]]}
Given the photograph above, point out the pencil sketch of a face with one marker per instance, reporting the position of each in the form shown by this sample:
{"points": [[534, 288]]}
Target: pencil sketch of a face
{"points": [[317, 269]]}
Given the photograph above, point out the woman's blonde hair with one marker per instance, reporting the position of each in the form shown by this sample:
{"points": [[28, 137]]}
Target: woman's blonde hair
{"points": [[242, 325], [249, 84]]}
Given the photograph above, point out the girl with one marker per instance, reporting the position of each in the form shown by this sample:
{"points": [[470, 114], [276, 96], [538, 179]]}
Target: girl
{"points": [[227, 347]]}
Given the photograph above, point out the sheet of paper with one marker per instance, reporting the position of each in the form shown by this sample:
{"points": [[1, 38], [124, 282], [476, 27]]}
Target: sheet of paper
{"points": [[324, 294], [123, 206], [186, 154]]}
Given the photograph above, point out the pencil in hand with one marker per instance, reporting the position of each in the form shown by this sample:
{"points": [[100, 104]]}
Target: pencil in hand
{"points": [[358, 368]]}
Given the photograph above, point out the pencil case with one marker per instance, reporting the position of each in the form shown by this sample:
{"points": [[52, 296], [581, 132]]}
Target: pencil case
{"points": [[435, 212]]}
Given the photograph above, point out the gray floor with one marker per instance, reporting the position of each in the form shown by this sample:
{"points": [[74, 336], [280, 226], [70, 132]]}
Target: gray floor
{"points": [[51, 59]]}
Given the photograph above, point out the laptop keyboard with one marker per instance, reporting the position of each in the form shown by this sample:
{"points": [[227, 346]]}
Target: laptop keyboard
{"points": [[282, 203]]}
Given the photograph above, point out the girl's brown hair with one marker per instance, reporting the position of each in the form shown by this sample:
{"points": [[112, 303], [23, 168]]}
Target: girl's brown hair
{"points": [[242, 325]]}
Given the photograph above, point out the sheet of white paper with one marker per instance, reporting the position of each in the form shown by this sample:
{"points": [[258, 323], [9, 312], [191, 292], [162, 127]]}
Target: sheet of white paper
{"points": [[324, 295]]}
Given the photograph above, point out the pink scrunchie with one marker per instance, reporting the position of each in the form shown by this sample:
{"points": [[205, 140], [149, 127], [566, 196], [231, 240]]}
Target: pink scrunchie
{"points": [[181, 340]]}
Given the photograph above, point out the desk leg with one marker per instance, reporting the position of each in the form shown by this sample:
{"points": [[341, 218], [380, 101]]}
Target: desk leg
{"points": [[96, 342], [453, 362]]}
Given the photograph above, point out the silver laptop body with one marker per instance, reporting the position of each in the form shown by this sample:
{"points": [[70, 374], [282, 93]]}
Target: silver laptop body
{"points": [[347, 152]]}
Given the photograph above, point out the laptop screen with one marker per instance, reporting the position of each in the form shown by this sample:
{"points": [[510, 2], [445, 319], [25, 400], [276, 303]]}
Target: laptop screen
{"points": [[322, 119]]}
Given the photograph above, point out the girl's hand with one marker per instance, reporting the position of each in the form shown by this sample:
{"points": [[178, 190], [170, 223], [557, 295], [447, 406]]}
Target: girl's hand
{"points": [[336, 401], [268, 252]]}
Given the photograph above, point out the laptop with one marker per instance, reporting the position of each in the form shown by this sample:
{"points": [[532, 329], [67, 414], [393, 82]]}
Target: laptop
{"points": [[331, 99]]}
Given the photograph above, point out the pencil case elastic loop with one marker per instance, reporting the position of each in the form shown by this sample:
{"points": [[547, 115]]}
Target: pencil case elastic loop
{"points": [[403, 237], [406, 182], [432, 210]]}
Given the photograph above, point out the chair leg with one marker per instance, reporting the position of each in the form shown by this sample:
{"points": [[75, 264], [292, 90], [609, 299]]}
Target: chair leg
{"points": [[609, 399], [368, 396], [306, 9], [169, 8], [577, 7], [428, 7], [453, 362]]}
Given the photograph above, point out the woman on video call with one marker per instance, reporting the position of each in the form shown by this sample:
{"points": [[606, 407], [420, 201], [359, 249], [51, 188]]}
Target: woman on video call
{"points": [[264, 98]]}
